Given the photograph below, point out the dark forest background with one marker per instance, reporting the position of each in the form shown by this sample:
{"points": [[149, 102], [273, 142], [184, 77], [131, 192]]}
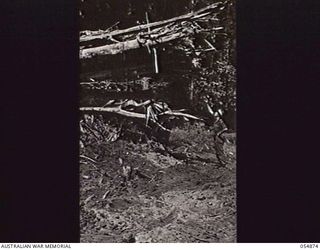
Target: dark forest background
{"points": [[203, 76]]}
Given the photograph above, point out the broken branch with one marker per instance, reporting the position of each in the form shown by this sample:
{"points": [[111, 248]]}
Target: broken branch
{"points": [[176, 113]]}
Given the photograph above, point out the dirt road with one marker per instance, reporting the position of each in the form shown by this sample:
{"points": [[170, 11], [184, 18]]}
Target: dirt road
{"points": [[135, 192]]}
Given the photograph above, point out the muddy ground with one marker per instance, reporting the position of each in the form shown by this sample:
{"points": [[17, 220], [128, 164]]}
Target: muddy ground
{"points": [[138, 192]]}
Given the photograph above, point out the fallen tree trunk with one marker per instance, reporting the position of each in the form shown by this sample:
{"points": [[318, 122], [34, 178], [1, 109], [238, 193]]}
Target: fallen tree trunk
{"points": [[89, 35], [120, 111], [115, 110], [112, 49], [143, 36]]}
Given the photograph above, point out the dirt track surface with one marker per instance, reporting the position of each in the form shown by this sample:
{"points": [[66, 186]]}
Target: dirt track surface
{"points": [[135, 192]]}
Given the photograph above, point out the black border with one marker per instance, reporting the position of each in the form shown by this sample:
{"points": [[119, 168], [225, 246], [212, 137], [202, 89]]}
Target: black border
{"points": [[277, 109], [39, 121]]}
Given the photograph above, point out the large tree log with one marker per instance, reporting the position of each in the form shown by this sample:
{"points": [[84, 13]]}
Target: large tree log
{"points": [[120, 111], [92, 35], [162, 32], [116, 48], [115, 110]]}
